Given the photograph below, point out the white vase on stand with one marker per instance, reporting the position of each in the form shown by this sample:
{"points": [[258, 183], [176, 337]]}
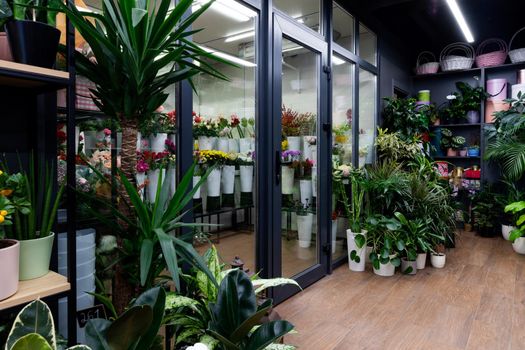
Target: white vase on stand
{"points": [[233, 145], [294, 143], [154, 177], [197, 194], [245, 145], [287, 182], [246, 174], [213, 183], [206, 143], [228, 179], [222, 144], [158, 142], [304, 229], [305, 186], [307, 148]]}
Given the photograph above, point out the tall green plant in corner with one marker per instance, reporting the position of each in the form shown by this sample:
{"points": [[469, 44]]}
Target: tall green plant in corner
{"points": [[140, 49]]}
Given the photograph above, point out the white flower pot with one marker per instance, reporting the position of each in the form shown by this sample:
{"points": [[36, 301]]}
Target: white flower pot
{"points": [[206, 143], [233, 145], [245, 145], [157, 142], [171, 176], [307, 148], [287, 179], [361, 252], [385, 270], [140, 179], [305, 187], [294, 143], [228, 179], [421, 261], [369, 250], [304, 229], [246, 172], [314, 154], [506, 230], [408, 267], [519, 245], [334, 235], [77, 138], [154, 177], [314, 181], [197, 194], [213, 183], [222, 144], [139, 141], [438, 261]]}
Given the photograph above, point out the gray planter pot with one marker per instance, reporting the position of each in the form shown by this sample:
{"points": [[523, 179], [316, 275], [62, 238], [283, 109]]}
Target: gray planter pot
{"points": [[408, 267]]}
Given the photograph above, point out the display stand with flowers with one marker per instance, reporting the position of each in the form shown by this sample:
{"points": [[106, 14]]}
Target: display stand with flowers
{"points": [[157, 172], [206, 132], [213, 159]]}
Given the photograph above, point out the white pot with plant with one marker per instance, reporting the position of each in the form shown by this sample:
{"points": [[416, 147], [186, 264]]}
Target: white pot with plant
{"points": [[233, 145], [305, 187], [517, 209], [506, 230], [356, 234], [196, 180], [213, 183], [421, 261], [287, 179], [31, 219], [157, 142], [245, 145], [206, 143], [294, 143], [223, 144], [309, 143], [305, 222], [154, 177], [412, 238], [246, 175], [384, 238], [438, 258], [9, 256]]}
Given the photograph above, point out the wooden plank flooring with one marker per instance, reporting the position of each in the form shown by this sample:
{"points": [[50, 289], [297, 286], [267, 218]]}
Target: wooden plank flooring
{"points": [[476, 302]]}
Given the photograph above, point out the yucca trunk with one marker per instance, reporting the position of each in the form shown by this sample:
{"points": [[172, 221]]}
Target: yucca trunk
{"points": [[123, 289]]}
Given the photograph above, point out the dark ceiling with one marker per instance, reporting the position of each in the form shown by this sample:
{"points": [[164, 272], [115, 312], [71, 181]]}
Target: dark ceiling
{"points": [[429, 24]]}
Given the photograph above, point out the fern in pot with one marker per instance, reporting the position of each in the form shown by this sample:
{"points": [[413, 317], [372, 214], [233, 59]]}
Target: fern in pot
{"points": [[34, 213]]}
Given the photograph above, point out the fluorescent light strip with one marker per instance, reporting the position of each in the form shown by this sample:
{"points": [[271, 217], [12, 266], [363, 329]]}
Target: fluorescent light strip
{"points": [[229, 8], [337, 61], [228, 57], [239, 36], [458, 15]]}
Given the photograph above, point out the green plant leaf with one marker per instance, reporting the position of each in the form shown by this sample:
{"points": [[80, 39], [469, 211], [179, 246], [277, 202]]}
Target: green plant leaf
{"points": [[360, 240], [261, 284], [267, 334], [128, 329], [244, 329], [33, 318], [146, 254], [170, 255], [96, 330], [31, 341], [155, 298], [396, 261], [175, 301]]}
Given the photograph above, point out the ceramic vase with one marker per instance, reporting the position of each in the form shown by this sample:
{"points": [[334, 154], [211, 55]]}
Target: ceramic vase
{"points": [[304, 229], [361, 252]]}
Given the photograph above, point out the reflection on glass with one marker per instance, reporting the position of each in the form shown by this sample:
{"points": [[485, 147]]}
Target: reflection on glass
{"points": [[305, 12], [367, 45], [299, 158], [343, 28], [224, 121], [367, 113], [343, 72]]}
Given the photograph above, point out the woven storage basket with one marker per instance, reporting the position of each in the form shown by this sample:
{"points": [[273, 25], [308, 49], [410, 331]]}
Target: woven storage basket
{"points": [[450, 62], [426, 63], [516, 55], [494, 58]]}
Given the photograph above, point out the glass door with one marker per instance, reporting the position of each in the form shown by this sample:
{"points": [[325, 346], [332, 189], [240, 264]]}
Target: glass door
{"points": [[300, 240]]}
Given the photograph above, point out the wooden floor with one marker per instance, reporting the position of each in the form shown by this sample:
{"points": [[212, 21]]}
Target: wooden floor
{"points": [[476, 302]]}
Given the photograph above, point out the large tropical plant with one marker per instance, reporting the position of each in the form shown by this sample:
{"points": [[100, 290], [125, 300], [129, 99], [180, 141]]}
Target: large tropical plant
{"points": [[140, 49], [506, 139]]}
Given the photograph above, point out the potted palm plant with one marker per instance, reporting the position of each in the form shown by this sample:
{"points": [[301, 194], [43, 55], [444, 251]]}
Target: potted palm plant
{"points": [[139, 78], [34, 213]]}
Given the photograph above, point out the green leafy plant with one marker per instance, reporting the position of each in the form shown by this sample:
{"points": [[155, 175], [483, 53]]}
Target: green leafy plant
{"points": [[34, 328], [190, 313], [392, 147], [471, 97], [458, 142], [506, 139], [517, 209], [485, 211], [135, 329], [31, 195], [235, 316], [154, 248], [404, 116], [383, 233]]}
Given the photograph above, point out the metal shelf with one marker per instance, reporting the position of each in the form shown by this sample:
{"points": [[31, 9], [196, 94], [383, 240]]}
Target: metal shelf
{"points": [[25, 76]]}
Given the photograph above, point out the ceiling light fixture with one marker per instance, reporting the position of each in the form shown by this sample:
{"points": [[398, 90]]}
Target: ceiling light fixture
{"points": [[228, 57], [458, 15], [337, 61], [239, 36], [229, 8]]}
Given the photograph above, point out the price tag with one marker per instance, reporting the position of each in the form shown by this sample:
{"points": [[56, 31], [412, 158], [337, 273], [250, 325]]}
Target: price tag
{"points": [[97, 311]]}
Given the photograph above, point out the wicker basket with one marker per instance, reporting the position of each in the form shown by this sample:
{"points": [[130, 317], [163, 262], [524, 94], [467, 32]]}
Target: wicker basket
{"points": [[494, 58], [450, 62], [426, 63], [516, 55]]}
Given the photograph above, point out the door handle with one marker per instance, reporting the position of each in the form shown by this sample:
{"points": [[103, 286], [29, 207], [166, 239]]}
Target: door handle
{"points": [[278, 167]]}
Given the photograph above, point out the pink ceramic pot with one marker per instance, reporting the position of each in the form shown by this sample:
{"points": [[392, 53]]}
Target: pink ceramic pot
{"points": [[9, 256], [452, 152], [5, 49]]}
